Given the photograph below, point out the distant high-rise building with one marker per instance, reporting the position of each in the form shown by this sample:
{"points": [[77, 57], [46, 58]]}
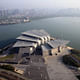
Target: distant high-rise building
{"points": [[3, 12]]}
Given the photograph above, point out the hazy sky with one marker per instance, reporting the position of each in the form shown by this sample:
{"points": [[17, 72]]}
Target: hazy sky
{"points": [[39, 4]]}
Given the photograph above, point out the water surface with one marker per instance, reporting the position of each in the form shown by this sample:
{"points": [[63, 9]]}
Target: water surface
{"points": [[67, 28]]}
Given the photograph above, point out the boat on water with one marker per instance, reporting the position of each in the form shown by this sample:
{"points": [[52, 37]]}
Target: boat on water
{"points": [[26, 20]]}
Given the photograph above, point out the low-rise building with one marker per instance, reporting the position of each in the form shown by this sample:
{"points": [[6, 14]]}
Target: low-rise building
{"points": [[38, 41]]}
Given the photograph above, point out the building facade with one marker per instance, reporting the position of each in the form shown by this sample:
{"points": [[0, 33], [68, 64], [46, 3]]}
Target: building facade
{"points": [[37, 41]]}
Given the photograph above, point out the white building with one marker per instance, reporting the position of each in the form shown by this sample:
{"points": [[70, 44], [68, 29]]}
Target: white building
{"points": [[32, 40]]}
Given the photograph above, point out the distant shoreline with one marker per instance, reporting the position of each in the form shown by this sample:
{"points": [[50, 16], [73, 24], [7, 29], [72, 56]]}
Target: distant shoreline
{"points": [[13, 21], [35, 18]]}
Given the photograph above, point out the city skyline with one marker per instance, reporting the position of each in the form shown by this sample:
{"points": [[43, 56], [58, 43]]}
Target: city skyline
{"points": [[28, 4]]}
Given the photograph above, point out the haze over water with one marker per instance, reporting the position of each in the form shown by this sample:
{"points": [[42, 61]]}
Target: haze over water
{"points": [[67, 28]]}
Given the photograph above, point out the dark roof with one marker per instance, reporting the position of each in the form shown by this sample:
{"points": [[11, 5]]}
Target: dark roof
{"points": [[46, 47], [56, 43]]}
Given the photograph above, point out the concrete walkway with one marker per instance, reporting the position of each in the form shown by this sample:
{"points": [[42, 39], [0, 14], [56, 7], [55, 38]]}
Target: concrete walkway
{"points": [[57, 70]]}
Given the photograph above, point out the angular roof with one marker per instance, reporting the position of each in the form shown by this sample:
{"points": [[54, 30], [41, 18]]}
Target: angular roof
{"points": [[32, 38], [36, 33], [26, 38], [24, 44], [46, 47], [57, 42], [44, 32]]}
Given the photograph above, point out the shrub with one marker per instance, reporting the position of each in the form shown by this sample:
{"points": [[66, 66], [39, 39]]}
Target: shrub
{"points": [[7, 67], [69, 61], [78, 77], [74, 51]]}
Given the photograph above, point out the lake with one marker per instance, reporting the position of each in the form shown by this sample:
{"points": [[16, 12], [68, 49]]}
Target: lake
{"points": [[67, 28]]}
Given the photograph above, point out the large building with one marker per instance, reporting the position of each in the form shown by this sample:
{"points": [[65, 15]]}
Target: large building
{"points": [[38, 42]]}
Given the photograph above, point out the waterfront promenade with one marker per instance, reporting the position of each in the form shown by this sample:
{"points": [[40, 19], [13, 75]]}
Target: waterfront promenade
{"points": [[57, 70]]}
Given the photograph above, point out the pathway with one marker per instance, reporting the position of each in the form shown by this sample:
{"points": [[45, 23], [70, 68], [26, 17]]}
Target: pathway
{"points": [[57, 70]]}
